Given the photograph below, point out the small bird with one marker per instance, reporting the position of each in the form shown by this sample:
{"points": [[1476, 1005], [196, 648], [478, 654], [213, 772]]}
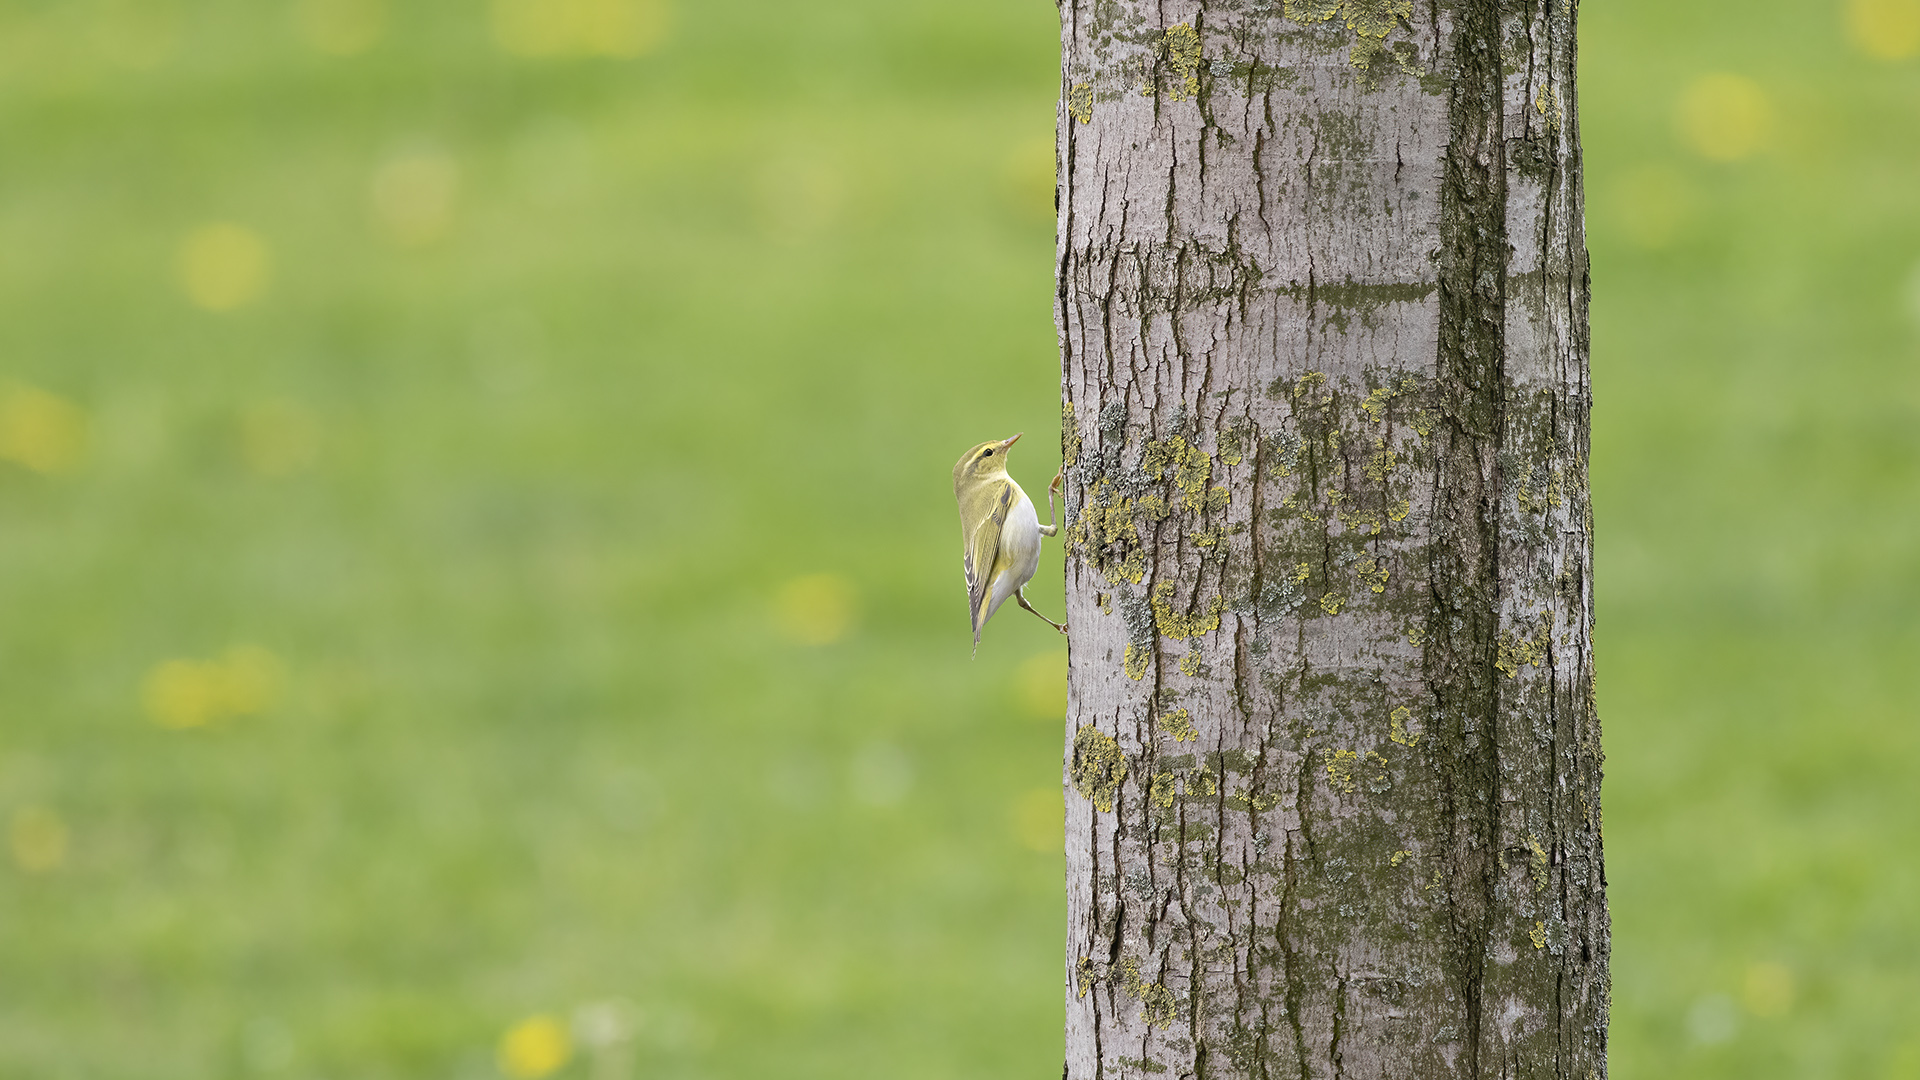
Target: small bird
{"points": [[999, 532]]}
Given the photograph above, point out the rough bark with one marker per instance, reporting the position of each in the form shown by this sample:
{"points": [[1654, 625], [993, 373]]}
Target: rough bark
{"points": [[1333, 767]]}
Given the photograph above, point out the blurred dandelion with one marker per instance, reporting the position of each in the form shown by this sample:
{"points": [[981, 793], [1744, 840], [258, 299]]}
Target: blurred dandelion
{"points": [[1767, 990], [1885, 29], [1652, 203], [1040, 683], [42, 431], [182, 694], [817, 609], [223, 266], [39, 839], [278, 437], [535, 1047], [1038, 818], [1724, 117], [413, 196], [341, 27], [560, 28]]}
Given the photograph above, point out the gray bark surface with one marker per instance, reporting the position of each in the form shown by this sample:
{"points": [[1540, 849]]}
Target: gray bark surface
{"points": [[1333, 767]]}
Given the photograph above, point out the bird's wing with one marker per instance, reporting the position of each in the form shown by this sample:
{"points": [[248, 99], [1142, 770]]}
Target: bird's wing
{"points": [[983, 547]]}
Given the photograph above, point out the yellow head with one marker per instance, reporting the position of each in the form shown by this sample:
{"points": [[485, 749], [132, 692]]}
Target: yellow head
{"points": [[987, 461]]}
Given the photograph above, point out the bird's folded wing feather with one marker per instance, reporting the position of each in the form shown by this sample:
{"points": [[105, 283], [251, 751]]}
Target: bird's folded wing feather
{"points": [[983, 547]]}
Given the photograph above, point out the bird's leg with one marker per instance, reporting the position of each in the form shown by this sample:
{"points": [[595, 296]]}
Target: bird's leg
{"points": [[1052, 527], [1022, 597]]}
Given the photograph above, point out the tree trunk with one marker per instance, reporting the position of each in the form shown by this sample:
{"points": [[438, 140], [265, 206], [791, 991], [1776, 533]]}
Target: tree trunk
{"points": [[1333, 766]]}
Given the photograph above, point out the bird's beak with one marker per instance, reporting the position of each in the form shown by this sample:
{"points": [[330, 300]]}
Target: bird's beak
{"points": [[1007, 444]]}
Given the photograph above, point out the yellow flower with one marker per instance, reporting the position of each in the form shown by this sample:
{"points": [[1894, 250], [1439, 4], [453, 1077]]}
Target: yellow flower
{"points": [[535, 1047], [817, 609], [223, 266], [1724, 117], [194, 693], [39, 839], [44, 432]]}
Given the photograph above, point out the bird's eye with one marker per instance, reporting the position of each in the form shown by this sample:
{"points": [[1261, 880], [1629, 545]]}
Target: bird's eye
{"points": [[987, 454]]}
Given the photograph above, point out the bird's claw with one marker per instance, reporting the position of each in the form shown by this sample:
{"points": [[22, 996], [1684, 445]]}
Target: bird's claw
{"points": [[1059, 482]]}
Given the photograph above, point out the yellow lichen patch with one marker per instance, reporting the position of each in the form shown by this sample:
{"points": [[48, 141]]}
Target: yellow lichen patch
{"points": [[1301, 571], [1232, 442], [1156, 1002], [1190, 467], [1538, 935], [1107, 536], [1375, 405], [1397, 727], [1331, 603], [1537, 863], [1366, 522], [1087, 975], [1190, 663], [1516, 650], [1399, 857], [1417, 636], [1080, 104], [1203, 783], [1181, 44], [42, 431], [1341, 765], [1380, 463], [1098, 767], [1178, 724], [1551, 498], [1262, 803], [1399, 511], [1372, 574], [1164, 790], [1069, 436], [1134, 663], [1179, 625]]}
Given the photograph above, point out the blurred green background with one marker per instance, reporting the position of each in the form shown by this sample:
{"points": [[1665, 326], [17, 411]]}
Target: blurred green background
{"points": [[477, 573]]}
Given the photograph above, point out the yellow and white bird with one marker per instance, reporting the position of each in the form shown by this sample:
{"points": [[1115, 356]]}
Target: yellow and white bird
{"points": [[999, 532]]}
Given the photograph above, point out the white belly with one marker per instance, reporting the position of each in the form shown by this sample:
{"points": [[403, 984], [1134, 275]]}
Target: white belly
{"points": [[1019, 551]]}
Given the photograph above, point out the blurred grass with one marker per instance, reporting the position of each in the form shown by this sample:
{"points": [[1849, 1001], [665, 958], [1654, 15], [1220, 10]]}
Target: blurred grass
{"points": [[536, 389]]}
